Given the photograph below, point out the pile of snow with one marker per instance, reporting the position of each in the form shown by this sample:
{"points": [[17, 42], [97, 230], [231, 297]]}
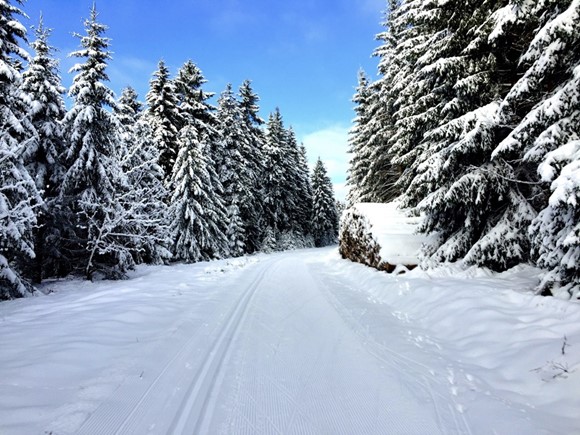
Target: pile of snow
{"points": [[395, 231], [381, 235]]}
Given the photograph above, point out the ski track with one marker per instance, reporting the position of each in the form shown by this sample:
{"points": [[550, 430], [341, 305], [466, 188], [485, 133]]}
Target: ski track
{"points": [[128, 410], [286, 346]]}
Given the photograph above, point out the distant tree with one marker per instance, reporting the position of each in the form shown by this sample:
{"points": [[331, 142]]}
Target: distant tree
{"points": [[164, 117], [324, 213], [94, 191], [251, 208], [273, 183], [43, 93], [18, 191], [233, 168]]}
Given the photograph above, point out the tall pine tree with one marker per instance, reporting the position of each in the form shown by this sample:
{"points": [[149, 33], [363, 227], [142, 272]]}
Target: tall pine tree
{"points": [[18, 191], [94, 189], [324, 213], [44, 93]]}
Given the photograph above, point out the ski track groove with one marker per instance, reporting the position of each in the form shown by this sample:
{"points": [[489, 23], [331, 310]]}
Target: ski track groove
{"points": [[195, 411], [116, 416]]}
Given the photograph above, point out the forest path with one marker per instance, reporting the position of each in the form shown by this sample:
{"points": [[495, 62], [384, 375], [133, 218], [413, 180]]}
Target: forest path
{"points": [[283, 344]]}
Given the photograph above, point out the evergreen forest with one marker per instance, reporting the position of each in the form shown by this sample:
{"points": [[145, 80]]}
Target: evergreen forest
{"points": [[474, 121], [92, 185]]}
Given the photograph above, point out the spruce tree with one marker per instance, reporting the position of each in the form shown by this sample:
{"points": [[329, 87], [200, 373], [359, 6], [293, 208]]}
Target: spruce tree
{"points": [[43, 92], [18, 193], [324, 213], [147, 197], [164, 117], [93, 194], [232, 167], [275, 219], [251, 207], [544, 106], [196, 212], [359, 139]]}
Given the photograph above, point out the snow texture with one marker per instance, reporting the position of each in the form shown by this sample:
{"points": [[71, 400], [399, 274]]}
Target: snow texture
{"points": [[299, 342]]}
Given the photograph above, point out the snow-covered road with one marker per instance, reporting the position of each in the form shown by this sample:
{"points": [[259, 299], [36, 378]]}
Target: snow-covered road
{"points": [[289, 343]]}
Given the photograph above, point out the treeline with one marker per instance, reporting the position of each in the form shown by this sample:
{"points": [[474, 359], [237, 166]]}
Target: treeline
{"points": [[475, 121], [108, 184]]}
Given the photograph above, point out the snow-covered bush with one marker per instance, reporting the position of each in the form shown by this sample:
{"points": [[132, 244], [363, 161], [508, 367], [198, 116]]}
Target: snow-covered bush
{"points": [[356, 240]]}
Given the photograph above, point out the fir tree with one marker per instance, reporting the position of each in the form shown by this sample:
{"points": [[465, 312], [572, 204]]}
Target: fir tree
{"points": [[43, 92], [324, 213], [94, 191], [18, 192]]}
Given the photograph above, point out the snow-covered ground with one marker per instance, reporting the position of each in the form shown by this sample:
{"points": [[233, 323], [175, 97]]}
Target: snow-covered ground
{"points": [[299, 342]]}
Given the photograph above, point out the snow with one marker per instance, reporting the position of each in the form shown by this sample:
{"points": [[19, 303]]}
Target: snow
{"points": [[395, 232], [298, 342]]}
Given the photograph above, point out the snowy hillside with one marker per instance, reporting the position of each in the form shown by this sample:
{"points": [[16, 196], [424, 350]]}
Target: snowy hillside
{"points": [[300, 342]]}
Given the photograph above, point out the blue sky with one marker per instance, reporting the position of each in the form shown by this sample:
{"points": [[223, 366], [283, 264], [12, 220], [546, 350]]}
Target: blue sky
{"points": [[302, 56]]}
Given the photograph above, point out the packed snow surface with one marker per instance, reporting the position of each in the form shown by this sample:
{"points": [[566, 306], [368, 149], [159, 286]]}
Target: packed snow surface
{"points": [[300, 342], [394, 230]]}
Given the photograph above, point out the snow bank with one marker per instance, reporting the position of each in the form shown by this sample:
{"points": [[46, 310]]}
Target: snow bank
{"points": [[388, 233], [483, 336]]}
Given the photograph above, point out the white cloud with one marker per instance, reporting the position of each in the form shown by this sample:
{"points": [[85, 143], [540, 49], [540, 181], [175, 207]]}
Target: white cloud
{"points": [[331, 145]]}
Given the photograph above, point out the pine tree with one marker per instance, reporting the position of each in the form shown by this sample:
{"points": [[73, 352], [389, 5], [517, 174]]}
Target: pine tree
{"points": [[164, 117], [544, 104], [298, 188], [357, 179], [94, 191], [196, 211], [43, 92], [275, 218], [148, 196], [324, 213], [18, 192], [251, 207], [232, 168]]}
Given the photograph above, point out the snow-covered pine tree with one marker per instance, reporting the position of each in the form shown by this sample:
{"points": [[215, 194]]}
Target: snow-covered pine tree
{"points": [[275, 219], [296, 184], [233, 169], [324, 213], [128, 109], [97, 228], [251, 208], [164, 117], [545, 106], [193, 101], [147, 198], [357, 178], [446, 134], [18, 192], [196, 212], [43, 93]]}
